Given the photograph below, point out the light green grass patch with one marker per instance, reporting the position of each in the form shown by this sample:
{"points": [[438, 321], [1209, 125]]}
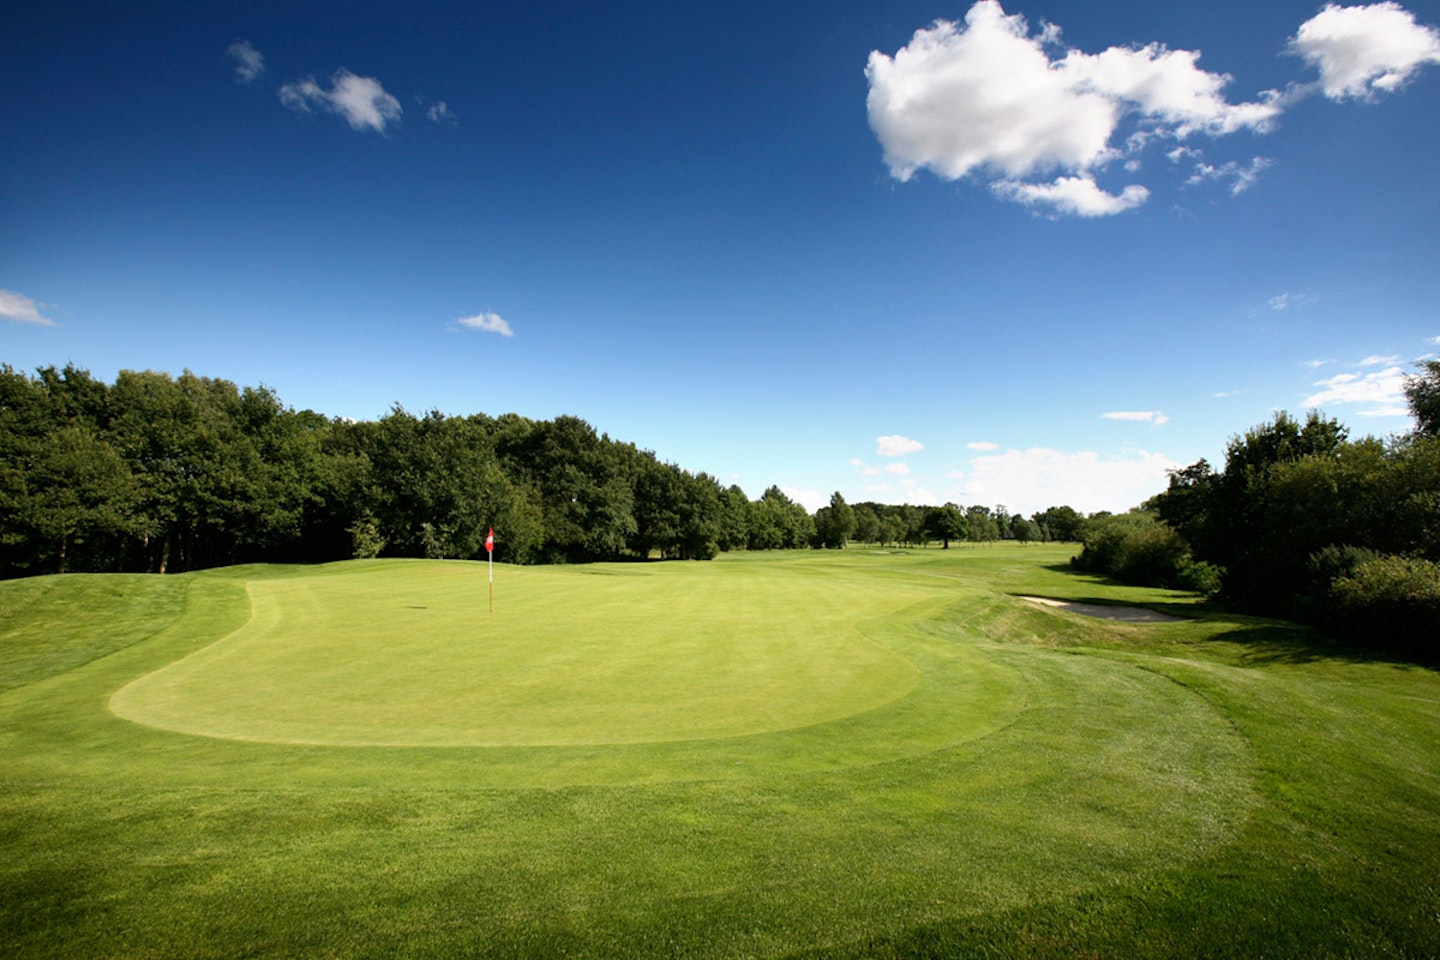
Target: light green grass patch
{"points": [[410, 655]]}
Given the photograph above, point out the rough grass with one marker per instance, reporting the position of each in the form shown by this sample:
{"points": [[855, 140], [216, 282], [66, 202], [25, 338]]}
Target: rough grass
{"points": [[1031, 784]]}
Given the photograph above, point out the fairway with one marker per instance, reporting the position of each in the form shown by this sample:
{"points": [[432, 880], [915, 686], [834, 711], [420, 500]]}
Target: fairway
{"points": [[847, 754]]}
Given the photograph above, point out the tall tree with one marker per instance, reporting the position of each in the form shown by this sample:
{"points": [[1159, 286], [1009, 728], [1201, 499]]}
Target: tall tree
{"points": [[947, 523], [835, 523], [1422, 390]]}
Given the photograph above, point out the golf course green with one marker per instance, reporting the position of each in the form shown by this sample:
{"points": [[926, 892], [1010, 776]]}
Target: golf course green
{"points": [[819, 753]]}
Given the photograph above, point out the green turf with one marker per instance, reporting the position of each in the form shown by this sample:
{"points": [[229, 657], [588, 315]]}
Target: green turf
{"points": [[400, 655], [832, 754]]}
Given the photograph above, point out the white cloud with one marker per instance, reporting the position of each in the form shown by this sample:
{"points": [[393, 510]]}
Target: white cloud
{"points": [[1223, 394], [986, 97], [487, 323], [811, 500], [1153, 417], [21, 309], [1284, 301], [1034, 479], [1317, 364], [249, 62], [1383, 390], [1375, 360], [1077, 196], [897, 446], [871, 470], [442, 114], [1241, 176], [982, 445], [1363, 51], [362, 101]]}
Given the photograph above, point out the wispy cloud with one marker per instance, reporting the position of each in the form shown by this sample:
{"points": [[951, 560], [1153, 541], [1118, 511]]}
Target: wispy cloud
{"points": [[1375, 360], [1077, 196], [1153, 417], [249, 62], [487, 323], [872, 470], [1284, 301], [982, 445], [1241, 177], [1225, 394], [442, 114], [21, 309], [896, 445], [1317, 364], [361, 101], [1383, 391]]}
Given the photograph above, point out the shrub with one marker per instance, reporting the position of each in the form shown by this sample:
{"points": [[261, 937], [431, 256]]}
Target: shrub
{"points": [[1393, 602], [1137, 548], [1200, 576]]}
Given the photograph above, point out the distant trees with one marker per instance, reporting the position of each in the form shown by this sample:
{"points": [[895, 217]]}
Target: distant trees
{"points": [[835, 524], [946, 523], [777, 522], [167, 473], [1060, 523]]}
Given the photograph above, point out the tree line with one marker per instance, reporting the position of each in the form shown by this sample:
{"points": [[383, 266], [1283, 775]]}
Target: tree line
{"points": [[161, 473], [1303, 522]]}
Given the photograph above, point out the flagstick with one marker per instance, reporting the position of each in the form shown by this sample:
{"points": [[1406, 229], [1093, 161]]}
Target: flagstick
{"points": [[490, 561]]}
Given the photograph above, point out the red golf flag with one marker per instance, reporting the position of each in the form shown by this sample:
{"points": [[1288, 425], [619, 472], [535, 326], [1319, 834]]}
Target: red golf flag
{"points": [[490, 564]]}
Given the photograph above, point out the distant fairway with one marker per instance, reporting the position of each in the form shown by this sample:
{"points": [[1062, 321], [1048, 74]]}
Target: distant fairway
{"points": [[822, 754]]}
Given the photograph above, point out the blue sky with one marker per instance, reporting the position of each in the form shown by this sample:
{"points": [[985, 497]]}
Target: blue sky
{"points": [[1031, 254]]}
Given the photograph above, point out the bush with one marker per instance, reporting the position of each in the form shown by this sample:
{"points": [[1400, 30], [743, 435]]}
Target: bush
{"points": [[1137, 548], [1393, 602], [1200, 576]]}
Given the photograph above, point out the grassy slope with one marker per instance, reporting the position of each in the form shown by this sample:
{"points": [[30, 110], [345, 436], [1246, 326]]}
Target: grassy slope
{"points": [[1050, 786]]}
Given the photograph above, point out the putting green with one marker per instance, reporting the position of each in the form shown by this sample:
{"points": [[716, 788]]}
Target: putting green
{"points": [[404, 654]]}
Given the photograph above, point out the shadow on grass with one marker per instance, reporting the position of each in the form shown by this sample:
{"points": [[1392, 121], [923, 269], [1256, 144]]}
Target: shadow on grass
{"points": [[1267, 640]]}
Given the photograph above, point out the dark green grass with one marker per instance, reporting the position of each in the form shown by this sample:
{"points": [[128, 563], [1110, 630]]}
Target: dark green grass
{"points": [[1051, 786]]}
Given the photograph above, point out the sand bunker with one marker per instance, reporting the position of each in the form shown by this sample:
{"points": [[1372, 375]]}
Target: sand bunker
{"points": [[1106, 612]]}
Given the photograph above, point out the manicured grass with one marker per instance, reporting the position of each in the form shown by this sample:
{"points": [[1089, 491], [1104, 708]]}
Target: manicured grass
{"points": [[832, 754]]}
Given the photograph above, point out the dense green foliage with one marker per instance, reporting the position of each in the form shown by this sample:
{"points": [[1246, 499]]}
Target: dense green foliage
{"points": [[155, 473], [1034, 784], [1137, 548], [1307, 523]]}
